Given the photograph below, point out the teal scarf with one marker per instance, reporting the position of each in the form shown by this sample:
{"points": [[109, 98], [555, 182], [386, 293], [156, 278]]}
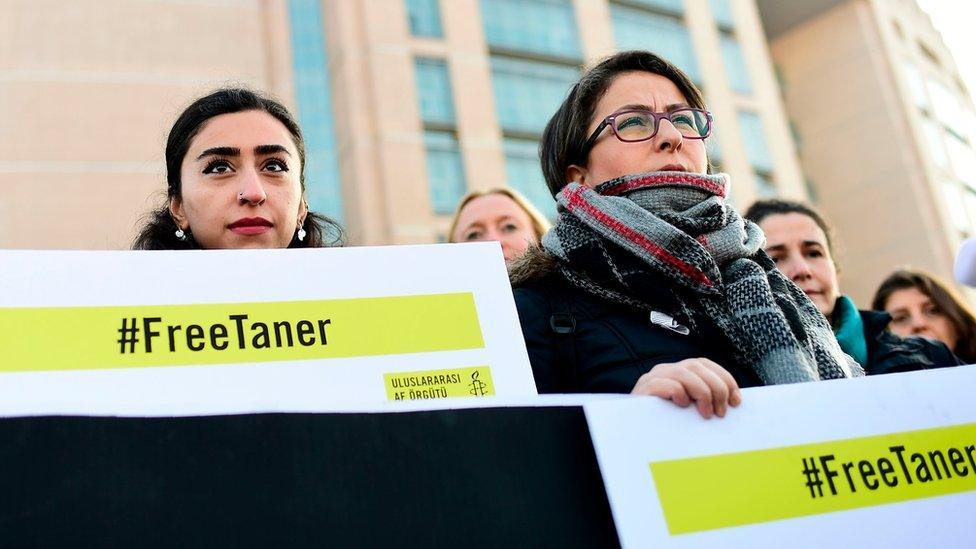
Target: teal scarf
{"points": [[849, 330]]}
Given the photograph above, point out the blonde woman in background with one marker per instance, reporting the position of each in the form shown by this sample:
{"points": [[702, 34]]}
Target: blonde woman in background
{"points": [[500, 214]]}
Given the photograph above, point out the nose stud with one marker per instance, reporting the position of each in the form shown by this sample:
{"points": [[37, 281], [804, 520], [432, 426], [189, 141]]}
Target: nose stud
{"points": [[244, 199]]}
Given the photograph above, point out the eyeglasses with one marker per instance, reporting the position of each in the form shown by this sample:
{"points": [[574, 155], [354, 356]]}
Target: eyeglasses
{"points": [[635, 125]]}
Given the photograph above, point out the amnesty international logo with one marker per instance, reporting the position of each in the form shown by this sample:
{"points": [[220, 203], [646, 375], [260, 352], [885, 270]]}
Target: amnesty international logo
{"points": [[477, 386], [446, 383]]}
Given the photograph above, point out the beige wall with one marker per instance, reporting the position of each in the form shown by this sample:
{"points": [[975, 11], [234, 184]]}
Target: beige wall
{"points": [[87, 93], [858, 148]]}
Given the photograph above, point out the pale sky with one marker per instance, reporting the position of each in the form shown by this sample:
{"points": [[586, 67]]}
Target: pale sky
{"points": [[955, 19]]}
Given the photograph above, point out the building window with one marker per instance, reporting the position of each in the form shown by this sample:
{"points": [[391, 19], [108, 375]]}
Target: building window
{"points": [[535, 59], [933, 138], [425, 18], [754, 138], [722, 12], [543, 27], [969, 125], [757, 151], [970, 199], [735, 65], [945, 105], [672, 6], [812, 191], [954, 201], [765, 186], [916, 85], [445, 169], [314, 97], [527, 93], [662, 33], [523, 172], [434, 90], [963, 159]]}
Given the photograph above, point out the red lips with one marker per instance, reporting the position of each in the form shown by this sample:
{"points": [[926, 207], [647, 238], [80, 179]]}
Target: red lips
{"points": [[251, 222], [250, 226]]}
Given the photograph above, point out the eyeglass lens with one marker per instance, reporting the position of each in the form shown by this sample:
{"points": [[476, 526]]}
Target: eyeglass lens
{"points": [[635, 126]]}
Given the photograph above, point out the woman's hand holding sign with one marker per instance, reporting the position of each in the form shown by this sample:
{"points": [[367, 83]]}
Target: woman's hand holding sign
{"points": [[699, 380]]}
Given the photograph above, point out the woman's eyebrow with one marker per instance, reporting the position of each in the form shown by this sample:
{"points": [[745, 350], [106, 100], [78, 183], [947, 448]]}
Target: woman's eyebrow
{"points": [[260, 150], [634, 107], [270, 149], [642, 107], [220, 151]]}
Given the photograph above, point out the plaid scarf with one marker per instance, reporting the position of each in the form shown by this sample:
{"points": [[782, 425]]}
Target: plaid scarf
{"points": [[618, 240]]}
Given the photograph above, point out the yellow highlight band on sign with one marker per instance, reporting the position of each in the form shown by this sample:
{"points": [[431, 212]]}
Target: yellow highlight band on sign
{"points": [[78, 338], [447, 383], [726, 490]]}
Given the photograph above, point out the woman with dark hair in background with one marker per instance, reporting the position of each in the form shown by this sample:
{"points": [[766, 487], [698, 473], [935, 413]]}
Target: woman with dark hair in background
{"points": [[799, 241], [235, 172], [649, 282], [920, 304], [499, 214]]}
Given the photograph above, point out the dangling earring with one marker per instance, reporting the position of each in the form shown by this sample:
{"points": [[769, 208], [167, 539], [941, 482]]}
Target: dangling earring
{"points": [[301, 233], [181, 234]]}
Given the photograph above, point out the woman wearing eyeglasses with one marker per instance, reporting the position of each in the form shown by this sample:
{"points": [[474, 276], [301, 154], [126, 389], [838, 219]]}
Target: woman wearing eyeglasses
{"points": [[649, 282]]}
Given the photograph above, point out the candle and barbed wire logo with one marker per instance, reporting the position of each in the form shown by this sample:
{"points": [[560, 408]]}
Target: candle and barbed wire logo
{"points": [[477, 386], [475, 381]]}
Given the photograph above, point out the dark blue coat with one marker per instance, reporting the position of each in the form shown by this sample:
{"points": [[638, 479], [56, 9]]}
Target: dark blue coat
{"points": [[579, 343]]}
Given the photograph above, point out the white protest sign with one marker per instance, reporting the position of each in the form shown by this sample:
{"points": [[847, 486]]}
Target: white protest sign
{"points": [[886, 461], [124, 332]]}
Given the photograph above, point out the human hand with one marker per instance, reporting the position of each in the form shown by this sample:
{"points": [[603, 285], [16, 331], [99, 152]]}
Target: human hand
{"points": [[710, 386]]}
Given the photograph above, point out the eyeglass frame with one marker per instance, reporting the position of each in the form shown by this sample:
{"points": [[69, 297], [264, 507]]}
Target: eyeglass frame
{"points": [[609, 121]]}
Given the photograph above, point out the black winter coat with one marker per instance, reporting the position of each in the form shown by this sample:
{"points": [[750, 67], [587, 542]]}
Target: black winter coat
{"points": [[578, 343], [888, 353]]}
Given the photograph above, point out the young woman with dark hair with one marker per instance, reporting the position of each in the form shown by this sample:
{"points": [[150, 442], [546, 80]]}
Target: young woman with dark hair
{"points": [[649, 282], [235, 173], [799, 241], [922, 305]]}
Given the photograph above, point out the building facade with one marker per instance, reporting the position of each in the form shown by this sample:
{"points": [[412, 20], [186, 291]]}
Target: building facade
{"points": [[885, 131], [406, 104], [88, 91]]}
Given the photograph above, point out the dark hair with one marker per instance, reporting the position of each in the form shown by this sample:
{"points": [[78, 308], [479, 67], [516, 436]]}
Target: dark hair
{"points": [[761, 209], [159, 230], [566, 133], [943, 297]]}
